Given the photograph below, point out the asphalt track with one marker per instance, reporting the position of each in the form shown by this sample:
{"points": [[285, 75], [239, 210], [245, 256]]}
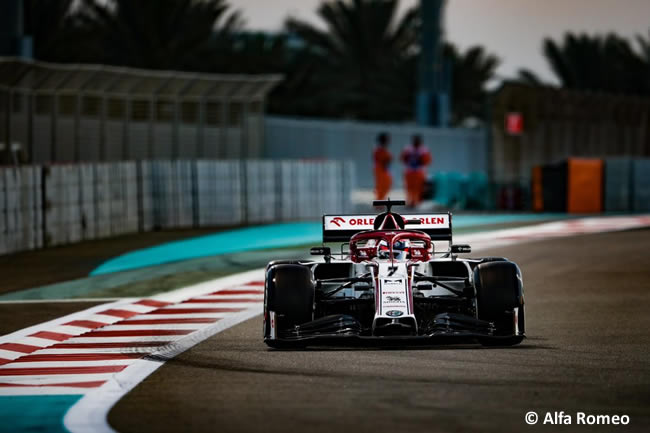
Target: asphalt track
{"points": [[587, 304]]}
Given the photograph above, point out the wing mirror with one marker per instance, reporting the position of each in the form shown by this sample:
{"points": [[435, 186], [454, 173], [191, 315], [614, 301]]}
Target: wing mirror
{"points": [[320, 251], [461, 249]]}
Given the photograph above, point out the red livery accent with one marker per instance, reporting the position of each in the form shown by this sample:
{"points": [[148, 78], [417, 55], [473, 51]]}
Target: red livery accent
{"points": [[362, 221], [433, 220]]}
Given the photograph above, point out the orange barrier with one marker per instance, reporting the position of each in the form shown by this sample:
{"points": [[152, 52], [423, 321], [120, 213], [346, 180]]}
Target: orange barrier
{"points": [[585, 186], [537, 190]]}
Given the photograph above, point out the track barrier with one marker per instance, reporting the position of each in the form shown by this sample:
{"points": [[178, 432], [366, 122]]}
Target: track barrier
{"points": [[50, 205]]}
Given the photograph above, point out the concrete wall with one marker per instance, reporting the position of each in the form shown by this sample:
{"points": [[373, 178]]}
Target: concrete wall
{"points": [[458, 150]]}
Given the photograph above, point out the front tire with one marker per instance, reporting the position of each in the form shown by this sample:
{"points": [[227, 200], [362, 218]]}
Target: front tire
{"points": [[288, 299], [500, 299]]}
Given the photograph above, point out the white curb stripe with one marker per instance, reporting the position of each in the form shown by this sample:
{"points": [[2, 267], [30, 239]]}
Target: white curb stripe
{"points": [[42, 379], [52, 364], [145, 338], [90, 413]]}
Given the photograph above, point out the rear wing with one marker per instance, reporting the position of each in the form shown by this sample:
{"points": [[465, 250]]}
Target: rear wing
{"points": [[340, 228]]}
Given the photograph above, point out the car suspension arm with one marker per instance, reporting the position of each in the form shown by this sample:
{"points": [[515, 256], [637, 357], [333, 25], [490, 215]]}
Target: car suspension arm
{"points": [[436, 282]]}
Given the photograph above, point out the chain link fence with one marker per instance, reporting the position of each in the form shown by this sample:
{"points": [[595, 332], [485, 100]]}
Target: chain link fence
{"points": [[72, 113]]}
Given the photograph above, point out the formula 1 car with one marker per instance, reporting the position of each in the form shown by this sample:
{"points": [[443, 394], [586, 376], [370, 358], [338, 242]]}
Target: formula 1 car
{"points": [[391, 286]]}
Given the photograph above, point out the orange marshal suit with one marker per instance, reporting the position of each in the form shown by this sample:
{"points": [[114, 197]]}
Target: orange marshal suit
{"points": [[415, 159], [383, 179]]}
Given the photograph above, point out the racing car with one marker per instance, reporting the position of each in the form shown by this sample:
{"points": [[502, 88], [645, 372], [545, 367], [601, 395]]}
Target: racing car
{"points": [[389, 284]]}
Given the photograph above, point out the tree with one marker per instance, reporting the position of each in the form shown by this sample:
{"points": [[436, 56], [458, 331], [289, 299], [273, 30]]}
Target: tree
{"points": [[359, 61], [157, 34], [471, 71], [597, 63]]}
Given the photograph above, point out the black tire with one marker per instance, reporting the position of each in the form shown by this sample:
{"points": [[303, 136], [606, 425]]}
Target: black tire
{"points": [[493, 259], [499, 291], [289, 293], [487, 260], [284, 262]]}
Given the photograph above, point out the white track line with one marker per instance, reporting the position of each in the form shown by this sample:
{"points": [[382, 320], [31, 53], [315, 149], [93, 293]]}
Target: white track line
{"points": [[42, 379], [36, 341], [8, 354], [124, 326], [37, 390], [144, 338], [64, 351], [191, 305], [211, 286], [187, 316]]}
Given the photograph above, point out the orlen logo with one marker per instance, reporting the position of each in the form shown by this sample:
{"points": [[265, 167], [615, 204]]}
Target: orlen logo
{"points": [[437, 220], [338, 221], [362, 221]]}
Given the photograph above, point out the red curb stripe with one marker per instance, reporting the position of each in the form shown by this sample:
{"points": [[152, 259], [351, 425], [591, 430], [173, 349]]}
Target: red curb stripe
{"points": [[86, 324], [109, 345], [17, 347], [95, 384], [61, 370], [139, 333], [152, 303], [4, 361], [168, 321], [196, 310], [255, 283], [79, 357], [119, 313], [239, 292], [216, 301], [56, 336]]}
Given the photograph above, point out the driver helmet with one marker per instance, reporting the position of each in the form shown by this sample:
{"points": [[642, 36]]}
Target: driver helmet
{"points": [[400, 249]]}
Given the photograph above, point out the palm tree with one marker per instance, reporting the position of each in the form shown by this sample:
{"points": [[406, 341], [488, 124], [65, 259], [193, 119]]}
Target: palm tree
{"points": [[158, 34], [597, 63], [471, 71], [359, 59]]}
